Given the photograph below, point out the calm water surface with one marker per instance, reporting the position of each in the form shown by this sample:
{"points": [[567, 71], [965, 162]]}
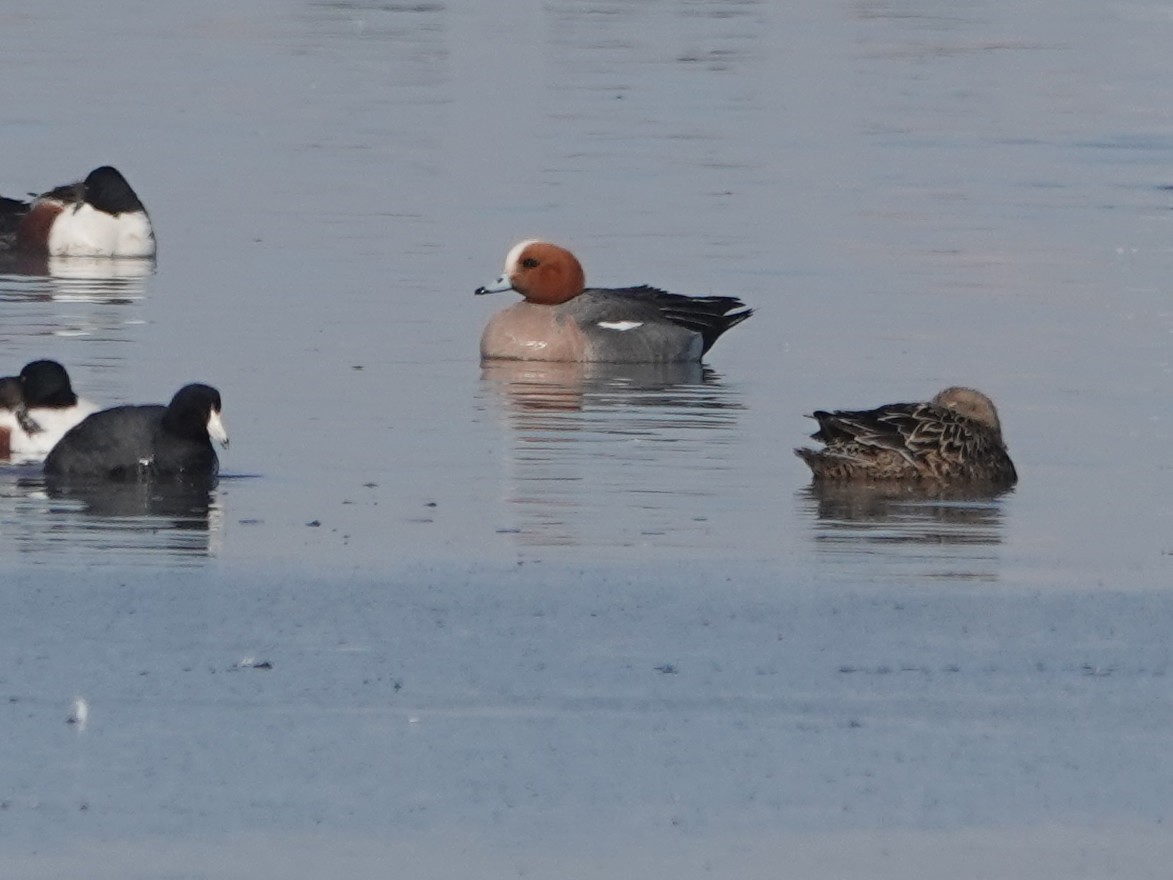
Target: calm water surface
{"points": [[578, 621]]}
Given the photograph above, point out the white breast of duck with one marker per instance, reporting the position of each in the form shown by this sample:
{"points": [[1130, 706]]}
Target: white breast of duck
{"points": [[42, 429], [81, 230]]}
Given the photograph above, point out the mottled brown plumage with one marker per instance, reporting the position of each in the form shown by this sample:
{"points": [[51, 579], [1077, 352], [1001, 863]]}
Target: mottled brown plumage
{"points": [[954, 438]]}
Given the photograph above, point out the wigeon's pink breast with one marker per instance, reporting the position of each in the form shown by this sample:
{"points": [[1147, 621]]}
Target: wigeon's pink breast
{"points": [[529, 332]]}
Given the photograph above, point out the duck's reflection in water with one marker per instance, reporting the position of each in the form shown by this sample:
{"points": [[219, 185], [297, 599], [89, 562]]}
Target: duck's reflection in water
{"points": [[83, 279], [536, 386], [99, 279], [612, 454], [97, 297], [129, 519], [950, 533]]}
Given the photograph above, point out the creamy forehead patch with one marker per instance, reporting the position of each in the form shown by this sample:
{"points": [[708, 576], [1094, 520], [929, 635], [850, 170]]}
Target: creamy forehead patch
{"points": [[514, 254]]}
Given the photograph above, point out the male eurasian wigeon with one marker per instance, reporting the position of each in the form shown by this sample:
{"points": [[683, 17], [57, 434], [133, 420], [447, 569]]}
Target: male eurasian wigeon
{"points": [[144, 443], [954, 438], [37, 408], [561, 319], [100, 216]]}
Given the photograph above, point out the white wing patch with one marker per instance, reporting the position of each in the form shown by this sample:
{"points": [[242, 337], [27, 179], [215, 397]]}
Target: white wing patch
{"points": [[620, 325]]}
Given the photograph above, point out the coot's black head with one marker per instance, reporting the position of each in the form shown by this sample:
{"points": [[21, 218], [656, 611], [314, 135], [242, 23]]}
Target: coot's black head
{"points": [[194, 413], [107, 190], [45, 383]]}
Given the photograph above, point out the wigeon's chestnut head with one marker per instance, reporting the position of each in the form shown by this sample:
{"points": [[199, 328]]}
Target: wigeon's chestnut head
{"points": [[100, 216], [953, 439], [541, 272], [561, 319], [37, 408]]}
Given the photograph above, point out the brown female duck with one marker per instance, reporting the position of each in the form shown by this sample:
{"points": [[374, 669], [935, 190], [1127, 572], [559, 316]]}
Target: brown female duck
{"points": [[954, 438]]}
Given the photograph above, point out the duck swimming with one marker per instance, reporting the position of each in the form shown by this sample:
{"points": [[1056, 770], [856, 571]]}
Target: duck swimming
{"points": [[100, 216], [954, 438], [561, 319], [37, 408], [141, 443]]}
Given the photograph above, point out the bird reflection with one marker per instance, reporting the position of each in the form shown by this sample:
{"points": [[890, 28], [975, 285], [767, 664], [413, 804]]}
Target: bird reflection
{"points": [[953, 530], [80, 279], [74, 296], [963, 515], [129, 517], [186, 504], [536, 386], [611, 454]]}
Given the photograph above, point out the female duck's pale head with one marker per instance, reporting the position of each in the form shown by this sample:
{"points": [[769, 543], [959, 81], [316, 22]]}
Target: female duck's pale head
{"points": [[541, 272], [972, 404]]}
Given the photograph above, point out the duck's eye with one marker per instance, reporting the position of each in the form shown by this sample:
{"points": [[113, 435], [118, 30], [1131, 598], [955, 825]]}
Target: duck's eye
{"points": [[529, 263]]}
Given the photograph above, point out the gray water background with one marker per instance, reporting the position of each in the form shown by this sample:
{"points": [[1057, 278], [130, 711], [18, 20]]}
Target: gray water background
{"points": [[595, 620]]}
